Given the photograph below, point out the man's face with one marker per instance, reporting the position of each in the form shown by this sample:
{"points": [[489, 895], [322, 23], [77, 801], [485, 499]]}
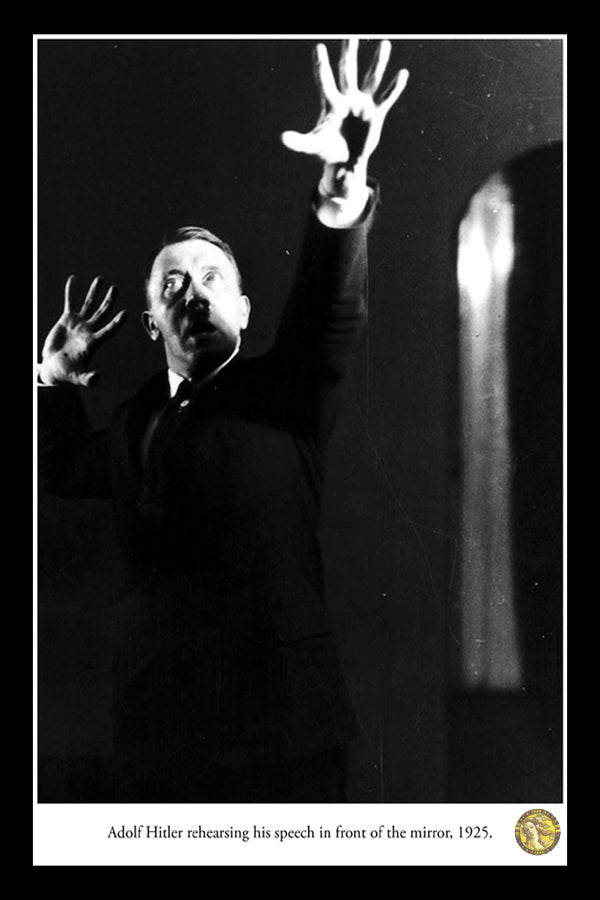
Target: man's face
{"points": [[195, 304]]}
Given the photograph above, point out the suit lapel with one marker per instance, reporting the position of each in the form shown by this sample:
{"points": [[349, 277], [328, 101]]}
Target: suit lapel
{"points": [[151, 397]]}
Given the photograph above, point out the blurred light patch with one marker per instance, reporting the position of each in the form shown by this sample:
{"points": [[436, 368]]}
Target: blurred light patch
{"points": [[490, 656]]}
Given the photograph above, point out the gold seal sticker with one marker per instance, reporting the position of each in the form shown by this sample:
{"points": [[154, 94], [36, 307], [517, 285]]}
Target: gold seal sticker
{"points": [[537, 832]]}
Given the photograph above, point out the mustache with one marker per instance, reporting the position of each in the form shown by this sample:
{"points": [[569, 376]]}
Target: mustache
{"points": [[199, 322]]}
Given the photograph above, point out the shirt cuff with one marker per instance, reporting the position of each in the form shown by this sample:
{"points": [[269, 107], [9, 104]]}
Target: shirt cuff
{"points": [[39, 378], [346, 213], [341, 212]]}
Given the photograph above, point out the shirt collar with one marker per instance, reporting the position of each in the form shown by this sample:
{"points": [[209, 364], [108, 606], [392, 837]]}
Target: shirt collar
{"points": [[175, 379]]}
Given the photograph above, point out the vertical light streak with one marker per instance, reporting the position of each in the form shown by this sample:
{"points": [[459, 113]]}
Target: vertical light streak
{"points": [[490, 654]]}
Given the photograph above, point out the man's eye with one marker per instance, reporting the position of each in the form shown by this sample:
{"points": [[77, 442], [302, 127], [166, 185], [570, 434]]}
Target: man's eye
{"points": [[211, 277], [172, 285]]}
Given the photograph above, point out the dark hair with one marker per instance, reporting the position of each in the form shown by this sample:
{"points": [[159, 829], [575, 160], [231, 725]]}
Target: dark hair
{"points": [[191, 233]]}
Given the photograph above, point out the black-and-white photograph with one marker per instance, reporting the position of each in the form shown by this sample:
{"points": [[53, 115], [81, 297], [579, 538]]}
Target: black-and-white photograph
{"points": [[299, 419]]}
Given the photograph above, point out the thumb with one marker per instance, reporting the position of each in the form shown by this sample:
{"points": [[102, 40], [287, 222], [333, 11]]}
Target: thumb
{"points": [[89, 379], [330, 148], [300, 143]]}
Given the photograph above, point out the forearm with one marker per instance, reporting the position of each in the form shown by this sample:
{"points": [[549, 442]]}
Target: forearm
{"points": [[326, 310]]}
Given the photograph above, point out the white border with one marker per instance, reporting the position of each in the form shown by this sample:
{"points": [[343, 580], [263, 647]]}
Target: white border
{"points": [[77, 834]]}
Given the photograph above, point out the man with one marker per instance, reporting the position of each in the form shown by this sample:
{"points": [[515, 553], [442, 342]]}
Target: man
{"points": [[227, 686]]}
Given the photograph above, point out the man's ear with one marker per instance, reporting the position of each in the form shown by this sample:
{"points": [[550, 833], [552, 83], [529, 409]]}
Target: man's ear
{"points": [[246, 311], [150, 325]]}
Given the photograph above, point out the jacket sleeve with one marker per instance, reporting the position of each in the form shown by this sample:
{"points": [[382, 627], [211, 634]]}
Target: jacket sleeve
{"points": [[73, 460], [325, 313]]}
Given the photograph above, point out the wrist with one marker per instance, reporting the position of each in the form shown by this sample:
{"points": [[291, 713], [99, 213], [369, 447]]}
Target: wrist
{"points": [[343, 195], [341, 182], [47, 377]]}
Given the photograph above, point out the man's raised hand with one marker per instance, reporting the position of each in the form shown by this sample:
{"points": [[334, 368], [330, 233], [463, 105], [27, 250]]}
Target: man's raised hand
{"points": [[352, 116], [71, 343]]}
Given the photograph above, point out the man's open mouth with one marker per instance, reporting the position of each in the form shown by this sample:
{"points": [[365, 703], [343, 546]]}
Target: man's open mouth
{"points": [[201, 326]]}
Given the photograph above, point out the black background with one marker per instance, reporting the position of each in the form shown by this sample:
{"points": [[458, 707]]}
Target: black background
{"points": [[136, 136]]}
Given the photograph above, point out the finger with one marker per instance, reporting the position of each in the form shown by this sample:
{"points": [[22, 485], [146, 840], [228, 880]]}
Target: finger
{"points": [[68, 289], [394, 90], [90, 296], [104, 306], [108, 330], [348, 68], [373, 77], [324, 76]]}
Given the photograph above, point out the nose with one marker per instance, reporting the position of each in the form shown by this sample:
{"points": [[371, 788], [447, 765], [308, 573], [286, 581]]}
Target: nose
{"points": [[196, 301]]}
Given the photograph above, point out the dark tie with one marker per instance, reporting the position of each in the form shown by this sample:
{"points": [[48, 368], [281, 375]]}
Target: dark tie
{"points": [[162, 418]]}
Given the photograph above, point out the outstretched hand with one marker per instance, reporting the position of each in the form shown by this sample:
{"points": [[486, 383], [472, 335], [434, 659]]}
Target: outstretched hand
{"points": [[351, 120], [73, 340]]}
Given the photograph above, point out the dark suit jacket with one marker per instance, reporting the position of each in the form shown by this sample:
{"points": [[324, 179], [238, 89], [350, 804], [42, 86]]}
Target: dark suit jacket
{"points": [[229, 654]]}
